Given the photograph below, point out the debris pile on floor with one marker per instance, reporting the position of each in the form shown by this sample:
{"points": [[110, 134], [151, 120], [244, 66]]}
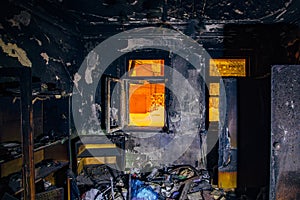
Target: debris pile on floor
{"points": [[178, 182]]}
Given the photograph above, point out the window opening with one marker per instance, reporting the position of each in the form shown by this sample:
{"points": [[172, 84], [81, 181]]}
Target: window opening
{"points": [[142, 68], [146, 104], [146, 96]]}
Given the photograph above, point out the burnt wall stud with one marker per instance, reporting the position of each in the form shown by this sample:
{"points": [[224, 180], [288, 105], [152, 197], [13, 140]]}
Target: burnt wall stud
{"points": [[27, 135]]}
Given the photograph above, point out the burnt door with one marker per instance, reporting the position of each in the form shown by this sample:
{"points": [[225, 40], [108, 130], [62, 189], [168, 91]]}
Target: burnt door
{"points": [[285, 130], [253, 133]]}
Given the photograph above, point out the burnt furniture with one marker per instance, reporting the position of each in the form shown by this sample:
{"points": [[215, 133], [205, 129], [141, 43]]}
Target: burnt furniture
{"points": [[30, 146]]}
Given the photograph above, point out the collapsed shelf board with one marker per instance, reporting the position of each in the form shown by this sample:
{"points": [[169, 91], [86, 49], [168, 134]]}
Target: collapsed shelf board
{"points": [[38, 148], [55, 194], [15, 165], [46, 171]]}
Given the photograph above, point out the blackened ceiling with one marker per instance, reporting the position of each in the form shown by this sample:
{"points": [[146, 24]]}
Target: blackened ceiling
{"points": [[53, 36], [269, 11]]}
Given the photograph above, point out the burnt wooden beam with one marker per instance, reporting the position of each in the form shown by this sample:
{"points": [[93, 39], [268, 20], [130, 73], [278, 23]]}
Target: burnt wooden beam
{"points": [[27, 135]]}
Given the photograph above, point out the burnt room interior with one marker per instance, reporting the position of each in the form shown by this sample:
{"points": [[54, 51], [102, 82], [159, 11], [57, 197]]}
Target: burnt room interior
{"points": [[149, 100]]}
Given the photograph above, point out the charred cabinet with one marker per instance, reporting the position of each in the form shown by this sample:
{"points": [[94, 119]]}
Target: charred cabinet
{"points": [[23, 158], [34, 139]]}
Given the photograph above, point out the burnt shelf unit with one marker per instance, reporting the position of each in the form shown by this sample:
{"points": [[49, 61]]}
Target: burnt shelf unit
{"points": [[33, 155]]}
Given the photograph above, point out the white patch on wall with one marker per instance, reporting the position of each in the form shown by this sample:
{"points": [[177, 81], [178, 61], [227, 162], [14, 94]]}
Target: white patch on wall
{"points": [[238, 12], [45, 57], [37, 40], [77, 78], [214, 27], [163, 41], [93, 117], [92, 62], [13, 50]]}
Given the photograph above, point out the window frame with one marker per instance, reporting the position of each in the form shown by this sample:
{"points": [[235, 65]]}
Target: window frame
{"points": [[107, 112], [147, 54], [127, 103], [124, 81]]}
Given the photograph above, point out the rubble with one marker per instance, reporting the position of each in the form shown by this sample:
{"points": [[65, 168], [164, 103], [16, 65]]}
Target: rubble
{"points": [[162, 183]]}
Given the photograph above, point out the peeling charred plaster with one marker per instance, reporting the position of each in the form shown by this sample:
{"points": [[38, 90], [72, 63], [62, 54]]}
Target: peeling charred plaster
{"points": [[38, 41], [77, 78], [22, 18], [13, 50], [52, 54], [92, 62], [46, 57]]}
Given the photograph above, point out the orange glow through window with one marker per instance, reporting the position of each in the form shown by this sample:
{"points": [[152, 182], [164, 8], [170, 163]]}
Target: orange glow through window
{"points": [[147, 104], [146, 100], [146, 68]]}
